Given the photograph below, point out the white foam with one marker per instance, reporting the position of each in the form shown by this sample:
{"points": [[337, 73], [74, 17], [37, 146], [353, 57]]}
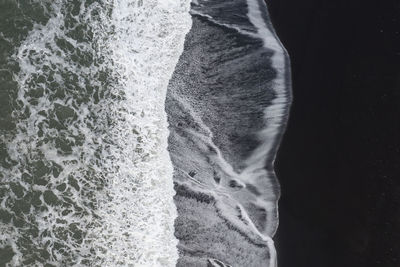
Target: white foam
{"points": [[226, 25], [145, 49], [129, 221]]}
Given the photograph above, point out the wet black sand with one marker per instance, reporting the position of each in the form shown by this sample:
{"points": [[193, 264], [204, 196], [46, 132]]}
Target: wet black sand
{"points": [[339, 162], [216, 100]]}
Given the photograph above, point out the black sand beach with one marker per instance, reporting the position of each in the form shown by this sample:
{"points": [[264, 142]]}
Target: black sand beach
{"points": [[339, 160]]}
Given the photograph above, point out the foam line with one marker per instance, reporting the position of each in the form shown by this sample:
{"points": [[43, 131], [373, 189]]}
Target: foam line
{"points": [[275, 113]]}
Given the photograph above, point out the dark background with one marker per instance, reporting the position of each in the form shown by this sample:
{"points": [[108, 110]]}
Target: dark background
{"points": [[339, 161]]}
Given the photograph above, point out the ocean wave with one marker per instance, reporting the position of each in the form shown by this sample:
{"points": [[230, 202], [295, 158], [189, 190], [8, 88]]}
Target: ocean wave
{"points": [[87, 178]]}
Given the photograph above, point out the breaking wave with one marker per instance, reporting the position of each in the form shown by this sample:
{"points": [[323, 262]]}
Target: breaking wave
{"points": [[86, 178]]}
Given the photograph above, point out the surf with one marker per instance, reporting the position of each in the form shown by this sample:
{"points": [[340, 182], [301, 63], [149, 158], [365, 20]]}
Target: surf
{"points": [[89, 173]]}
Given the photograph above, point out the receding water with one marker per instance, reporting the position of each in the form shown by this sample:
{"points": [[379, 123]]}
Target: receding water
{"points": [[227, 104]]}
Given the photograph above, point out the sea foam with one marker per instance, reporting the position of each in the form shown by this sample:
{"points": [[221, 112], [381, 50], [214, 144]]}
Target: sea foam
{"points": [[88, 160]]}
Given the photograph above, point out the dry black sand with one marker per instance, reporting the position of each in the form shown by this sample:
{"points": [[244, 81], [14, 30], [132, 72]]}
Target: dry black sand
{"points": [[339, 162]]}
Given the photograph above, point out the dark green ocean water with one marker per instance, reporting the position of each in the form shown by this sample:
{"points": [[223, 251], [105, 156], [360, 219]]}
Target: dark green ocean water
{"points": [[80, 128], [45, 81]]}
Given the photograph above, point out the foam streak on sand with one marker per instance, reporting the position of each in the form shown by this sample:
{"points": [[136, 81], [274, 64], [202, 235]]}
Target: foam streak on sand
{"points": [[228, 105], [275, 113]]}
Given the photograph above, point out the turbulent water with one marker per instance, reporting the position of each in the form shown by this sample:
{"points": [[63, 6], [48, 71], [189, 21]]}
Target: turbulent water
{"points": [[85, 175], [227, 105]]}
